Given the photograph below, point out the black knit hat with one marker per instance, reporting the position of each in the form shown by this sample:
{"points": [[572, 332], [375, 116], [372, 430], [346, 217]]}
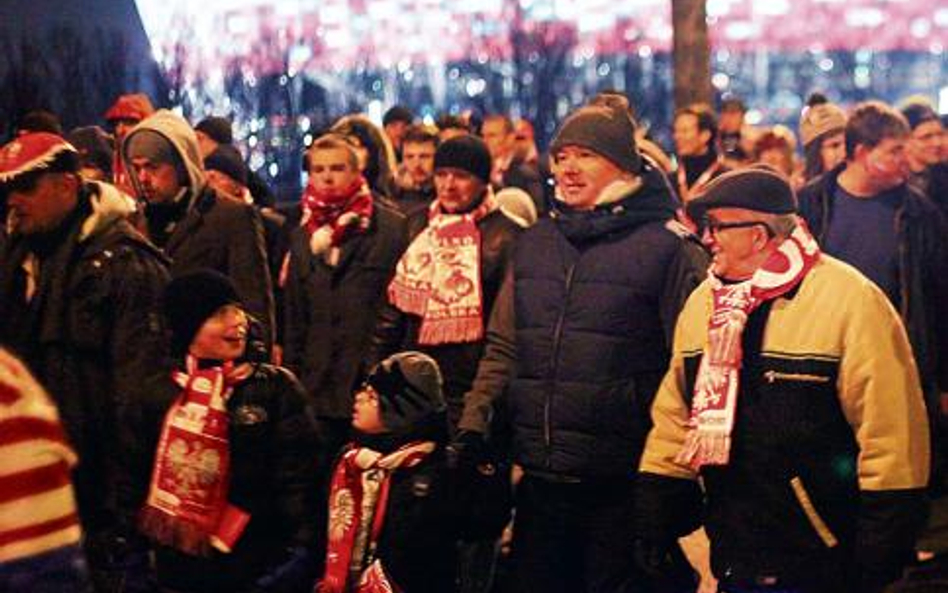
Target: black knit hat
{"points": [[409, 388], [228, 161], [190, 299], [918, 113], [217, 128], [759, 188], [467, 153], [606, 131]]}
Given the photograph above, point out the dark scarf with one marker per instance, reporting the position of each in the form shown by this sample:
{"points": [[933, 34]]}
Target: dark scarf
{"points": [[162, 217], [650, 203]]}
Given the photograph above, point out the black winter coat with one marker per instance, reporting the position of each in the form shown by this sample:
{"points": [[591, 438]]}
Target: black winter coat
{"points": [[396, 330], [273, 459], [330, 311], [92, 334]]}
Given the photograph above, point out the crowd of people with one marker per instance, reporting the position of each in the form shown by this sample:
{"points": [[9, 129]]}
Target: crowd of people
{"points": [[460, 364]]}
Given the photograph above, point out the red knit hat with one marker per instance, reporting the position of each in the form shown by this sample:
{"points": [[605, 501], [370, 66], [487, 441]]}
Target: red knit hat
{"points": [[32, 152], [133, 107]]}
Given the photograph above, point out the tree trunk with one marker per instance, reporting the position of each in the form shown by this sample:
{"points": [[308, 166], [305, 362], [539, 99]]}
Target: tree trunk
{"points": [[691, 52]]}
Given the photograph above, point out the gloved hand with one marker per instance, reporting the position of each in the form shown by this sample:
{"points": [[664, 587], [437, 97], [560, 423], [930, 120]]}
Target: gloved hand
{"points": [[296, 573], [469, 449]]}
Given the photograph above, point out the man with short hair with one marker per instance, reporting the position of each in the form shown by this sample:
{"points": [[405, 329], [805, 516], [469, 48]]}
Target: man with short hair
{"points": [[415, 181], [215, 131], [510, 168], [577, 343], [793, 396], [695, 135], [928, 167], [341, 258], [186, 218], [79, 303]]}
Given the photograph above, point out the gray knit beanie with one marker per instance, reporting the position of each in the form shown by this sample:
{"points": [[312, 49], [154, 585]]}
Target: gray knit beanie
{"points": [[409, 386], [152, 145], [607, 132]]}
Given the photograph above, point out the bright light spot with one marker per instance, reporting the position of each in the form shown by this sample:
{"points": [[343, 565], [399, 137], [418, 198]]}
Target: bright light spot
{"points": [[753, 117], [305, 123], [375, 112], [720, 80], [921, 28], [475, 87], [307, 139], [772, 8], [742, 30], [864, 17], [826, 64], [252, 141], [274, 169], [861, 77], [603, 69], [943, 100], [645, 52]]}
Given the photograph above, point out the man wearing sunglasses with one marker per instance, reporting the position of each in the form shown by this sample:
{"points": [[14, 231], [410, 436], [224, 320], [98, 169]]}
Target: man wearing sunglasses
{"points": [[793, 396], [79, 294]]}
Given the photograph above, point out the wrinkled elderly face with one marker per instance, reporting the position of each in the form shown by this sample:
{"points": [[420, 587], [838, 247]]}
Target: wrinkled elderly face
{"points": [[223, 336], [736, 238], [581, 175], [39, 203], [457, 190]]}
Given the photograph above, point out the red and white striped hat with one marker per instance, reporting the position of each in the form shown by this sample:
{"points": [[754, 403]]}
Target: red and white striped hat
{"points": [[31, 152]]}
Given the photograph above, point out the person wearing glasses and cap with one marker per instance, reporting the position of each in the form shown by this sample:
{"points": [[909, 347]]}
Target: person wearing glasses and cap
{"points": [[793, 395]]}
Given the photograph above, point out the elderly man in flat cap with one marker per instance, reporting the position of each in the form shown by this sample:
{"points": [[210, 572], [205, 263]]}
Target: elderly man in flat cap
{"points": [[793, 396]]}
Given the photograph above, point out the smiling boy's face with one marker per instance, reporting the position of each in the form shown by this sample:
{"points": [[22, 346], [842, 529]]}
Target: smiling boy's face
{"points": [[223, 336], [366, 414]]}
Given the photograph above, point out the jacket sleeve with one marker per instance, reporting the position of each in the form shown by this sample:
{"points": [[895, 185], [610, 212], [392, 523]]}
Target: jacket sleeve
{"points": [[881, 397], [295, 310], [496, 366], [141, 366], [388, 335], [247, 255]]}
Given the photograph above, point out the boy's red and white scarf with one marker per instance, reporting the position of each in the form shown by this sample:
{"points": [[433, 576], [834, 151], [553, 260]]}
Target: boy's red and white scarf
{"points": [[713, 408], [358, 496], [332, 216], [439, 277], [187, 505]]}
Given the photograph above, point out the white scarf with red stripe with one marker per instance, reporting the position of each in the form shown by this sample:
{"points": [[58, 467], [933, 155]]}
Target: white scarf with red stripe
{"points": [[358, 497], [714, 406], [187, 506], [439, 277]]}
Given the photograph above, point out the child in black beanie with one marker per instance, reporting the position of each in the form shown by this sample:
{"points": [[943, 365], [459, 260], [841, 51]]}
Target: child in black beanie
{"points": [[397, 507], [231, 504]]}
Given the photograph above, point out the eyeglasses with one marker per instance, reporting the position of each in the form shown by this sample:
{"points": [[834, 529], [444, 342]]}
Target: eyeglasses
{"points": [[715, 226]]}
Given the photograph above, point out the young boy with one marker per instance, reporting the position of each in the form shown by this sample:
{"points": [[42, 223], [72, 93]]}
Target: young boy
{"points": [[231, 503], [397, 506]]}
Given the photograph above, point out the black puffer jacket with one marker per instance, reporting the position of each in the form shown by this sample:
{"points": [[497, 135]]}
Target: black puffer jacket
{"points": [[273, 460], [330, 311], [396, 330], [583, 333]]}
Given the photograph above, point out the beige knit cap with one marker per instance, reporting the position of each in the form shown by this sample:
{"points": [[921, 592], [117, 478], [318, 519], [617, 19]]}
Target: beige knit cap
{"points": [[819, 120]]}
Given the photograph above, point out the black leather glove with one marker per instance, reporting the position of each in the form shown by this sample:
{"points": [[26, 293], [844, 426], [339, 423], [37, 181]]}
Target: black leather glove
{"points": [[468, 450]]}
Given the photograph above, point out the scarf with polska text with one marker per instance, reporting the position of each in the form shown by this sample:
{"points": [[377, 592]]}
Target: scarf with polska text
{"points": [[358, 497], [187, 506], [439, 276], [713, 409]]}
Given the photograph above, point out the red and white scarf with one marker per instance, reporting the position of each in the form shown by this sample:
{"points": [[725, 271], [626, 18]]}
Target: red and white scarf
{"points": [[713, 408], [358, 496], [439, 277], [332, 216], [187, 506]]}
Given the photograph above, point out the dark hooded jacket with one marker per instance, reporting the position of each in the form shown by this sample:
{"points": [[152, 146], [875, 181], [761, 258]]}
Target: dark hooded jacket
{"points": [[202, 230]]}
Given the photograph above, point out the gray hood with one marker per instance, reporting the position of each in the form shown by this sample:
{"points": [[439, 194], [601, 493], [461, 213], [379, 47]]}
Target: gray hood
{"points": [[173, 127]]}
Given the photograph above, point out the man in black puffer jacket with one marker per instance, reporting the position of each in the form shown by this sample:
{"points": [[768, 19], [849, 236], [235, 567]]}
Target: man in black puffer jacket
{"points": [[579, 339]]}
